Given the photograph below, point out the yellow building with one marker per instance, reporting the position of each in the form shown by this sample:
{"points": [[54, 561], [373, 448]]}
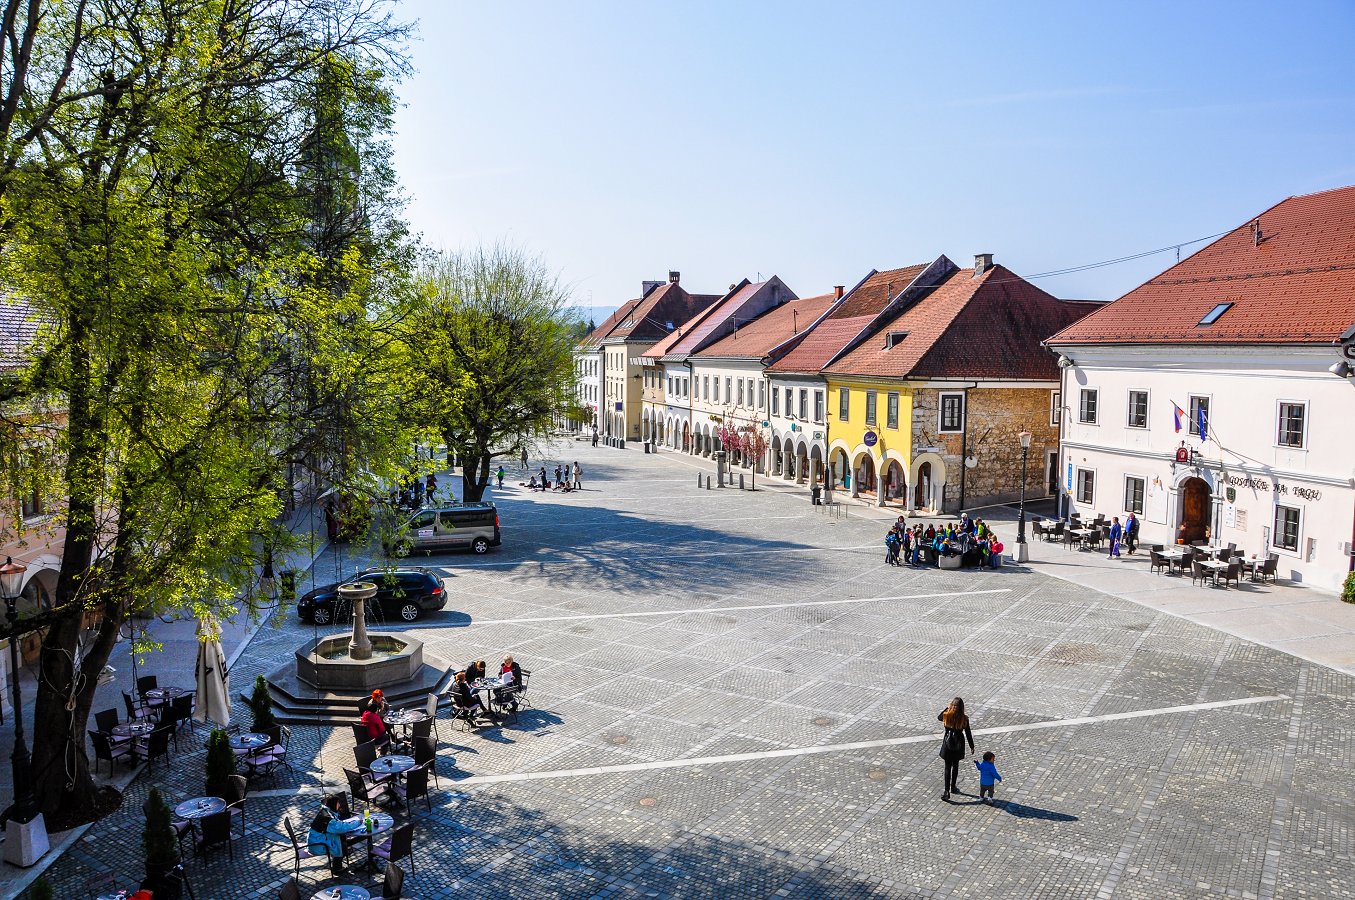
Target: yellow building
{"points": [[870, 427]]}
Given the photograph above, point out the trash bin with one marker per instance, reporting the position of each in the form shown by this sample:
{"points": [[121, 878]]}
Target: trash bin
{"points": [[816, 495]]}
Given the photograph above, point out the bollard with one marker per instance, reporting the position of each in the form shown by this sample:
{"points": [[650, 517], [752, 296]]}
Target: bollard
{"points": [[741, 481], [698, 481], [707, 482], [646, 448]]}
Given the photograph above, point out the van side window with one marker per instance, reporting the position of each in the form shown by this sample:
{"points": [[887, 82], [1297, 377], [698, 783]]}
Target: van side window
{"points": [[423, 520]]}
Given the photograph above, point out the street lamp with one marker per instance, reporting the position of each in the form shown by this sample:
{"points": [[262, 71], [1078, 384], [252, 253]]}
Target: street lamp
{"points": [[25, 835], [1022, 552]]}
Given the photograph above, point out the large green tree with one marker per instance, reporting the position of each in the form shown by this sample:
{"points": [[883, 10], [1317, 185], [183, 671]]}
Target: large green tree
{"points": [[195, 327], [488, 336]]}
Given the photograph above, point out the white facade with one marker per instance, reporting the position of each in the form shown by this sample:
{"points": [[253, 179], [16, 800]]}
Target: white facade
{"points": [[797, 410], [726, 390], [1275, 475], [588, 379]]}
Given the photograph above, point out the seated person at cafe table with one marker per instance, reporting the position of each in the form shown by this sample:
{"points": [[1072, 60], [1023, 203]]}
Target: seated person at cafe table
{"points": [[327, 831], [475, 671], [510, 674], [376, 726], [377, 703], [469, 700]]}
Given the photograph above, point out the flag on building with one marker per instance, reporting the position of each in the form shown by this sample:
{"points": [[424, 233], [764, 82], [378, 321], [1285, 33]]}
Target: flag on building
{"points": [[1176, 414], [1200, 420]]}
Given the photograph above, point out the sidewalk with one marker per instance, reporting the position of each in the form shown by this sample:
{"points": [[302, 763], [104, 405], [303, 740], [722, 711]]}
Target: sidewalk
{"points": [[1302, 621], [174, 664]]}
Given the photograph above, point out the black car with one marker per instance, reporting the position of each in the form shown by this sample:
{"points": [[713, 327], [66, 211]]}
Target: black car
{"points": [[402, 595]]}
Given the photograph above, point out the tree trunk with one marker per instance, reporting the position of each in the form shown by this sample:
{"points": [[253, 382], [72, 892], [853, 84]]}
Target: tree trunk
{"points": [[475, 469]]}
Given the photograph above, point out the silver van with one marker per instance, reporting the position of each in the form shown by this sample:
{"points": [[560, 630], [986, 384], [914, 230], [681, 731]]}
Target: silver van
{"points": [[455, 526]]}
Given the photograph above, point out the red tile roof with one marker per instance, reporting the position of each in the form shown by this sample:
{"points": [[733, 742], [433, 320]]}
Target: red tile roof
{"points": [[769, 330], [594, 338], [872, 294], [649, 318], [983, 328], [736, 308], [1296, 286]]}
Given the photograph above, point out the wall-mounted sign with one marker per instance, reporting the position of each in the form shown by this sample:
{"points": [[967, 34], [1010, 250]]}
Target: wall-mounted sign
{"points": [[1182, 455], [794, 427], [618, 406], [818, 435], [870, 439]]}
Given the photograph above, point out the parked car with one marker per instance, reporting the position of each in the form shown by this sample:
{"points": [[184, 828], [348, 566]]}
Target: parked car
{"points": [[454, 526], [402, 595]]}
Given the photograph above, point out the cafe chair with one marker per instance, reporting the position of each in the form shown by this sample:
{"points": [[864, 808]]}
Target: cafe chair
{"points": [[1267, 569], [263, 761], [400, 845], [300, 850], [213, 831], [1233, 573], [290, 891], [366, 791], [426, 754], [432, 710], [415, 786], [237, 789], [360, 735], [105, 749], [155, 747], [136, 709], [106, 720], [393, 884], [1156, 561], [147, 683], [364, 755]]}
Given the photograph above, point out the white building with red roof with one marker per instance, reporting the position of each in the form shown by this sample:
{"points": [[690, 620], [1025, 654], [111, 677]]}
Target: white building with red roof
{"points": [[1216, 401]]}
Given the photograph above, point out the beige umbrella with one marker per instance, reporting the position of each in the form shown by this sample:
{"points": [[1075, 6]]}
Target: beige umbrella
{"points": [[213, 682]]}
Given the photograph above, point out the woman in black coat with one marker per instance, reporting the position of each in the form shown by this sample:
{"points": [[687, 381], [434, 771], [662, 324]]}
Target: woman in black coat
{"points": [[952, 743]]}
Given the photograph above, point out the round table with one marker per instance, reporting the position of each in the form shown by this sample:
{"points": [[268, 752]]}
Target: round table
{"points": [[381, 823], [250, 741], [407, 717], [164, 693], [133, 729], [199, 807], [342, 892], [392, 764]]}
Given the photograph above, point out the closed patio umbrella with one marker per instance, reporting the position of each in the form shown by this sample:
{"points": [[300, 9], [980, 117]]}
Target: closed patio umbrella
{"points": [[213, 683]]}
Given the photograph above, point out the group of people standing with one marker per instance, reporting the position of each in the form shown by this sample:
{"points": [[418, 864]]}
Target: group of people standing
{"points": [[904, 545], [567, 478]]}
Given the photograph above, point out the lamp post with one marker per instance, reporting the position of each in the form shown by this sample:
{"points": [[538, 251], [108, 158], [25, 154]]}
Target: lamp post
{"points": [[25, 832], [1022, 552]]}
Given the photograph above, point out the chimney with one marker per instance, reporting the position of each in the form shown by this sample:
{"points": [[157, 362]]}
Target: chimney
{"points": [[982, 263], [837, 291], [1256, 236], [647, 286], [674, 277]]}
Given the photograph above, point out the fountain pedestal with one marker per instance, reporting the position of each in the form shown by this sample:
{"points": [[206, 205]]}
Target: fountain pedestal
{"points": [[357, 594]]}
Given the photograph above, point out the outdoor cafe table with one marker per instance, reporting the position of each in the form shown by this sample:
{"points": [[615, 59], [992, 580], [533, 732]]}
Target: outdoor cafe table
{"points": [[406, 718], [161, 694], [381, 823], [488, 686], [133, 729], [198, 807], [244, 743], [1082, 534], [342, 892], [393, 764]]}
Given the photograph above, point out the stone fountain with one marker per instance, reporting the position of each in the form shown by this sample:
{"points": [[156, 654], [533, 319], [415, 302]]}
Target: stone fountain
{"points": [[332, 673]]}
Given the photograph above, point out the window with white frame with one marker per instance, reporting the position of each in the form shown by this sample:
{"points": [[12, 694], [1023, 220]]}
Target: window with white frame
{"points": [[804, 404], [1133, 494], [776, 402], [1288, 520], [844, 403], [892, 410], [952, 413], [31, 505], [1086, 407], [1292, 422], [790, 403], [1055, 403], [705, 387], [1199, 407], [1086, 486], [762, 395], [1138, 409], [729, 390], [870, 407], [818, 406], [740, 392]]}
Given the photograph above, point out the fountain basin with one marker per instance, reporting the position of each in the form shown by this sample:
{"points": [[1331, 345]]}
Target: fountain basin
{"points": [[325, 662]]}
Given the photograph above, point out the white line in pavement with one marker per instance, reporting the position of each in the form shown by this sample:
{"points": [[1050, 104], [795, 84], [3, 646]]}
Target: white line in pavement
{"points": [[701, 554], [842, 748], [714, 609]]}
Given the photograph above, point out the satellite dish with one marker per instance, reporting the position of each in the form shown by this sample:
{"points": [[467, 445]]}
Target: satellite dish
{"points": [[970, 462]]}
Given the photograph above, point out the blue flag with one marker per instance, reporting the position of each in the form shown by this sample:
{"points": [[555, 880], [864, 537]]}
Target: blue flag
{"points": [[1200, 417]]}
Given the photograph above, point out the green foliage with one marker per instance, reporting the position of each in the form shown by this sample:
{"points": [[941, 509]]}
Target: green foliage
{"points": [[488, 341], [1348, 591], [261, 705], [220, 759], [159, 840]]}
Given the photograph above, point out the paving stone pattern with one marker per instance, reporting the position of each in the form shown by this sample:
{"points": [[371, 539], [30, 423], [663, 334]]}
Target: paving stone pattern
{"points": [[623, 592]]}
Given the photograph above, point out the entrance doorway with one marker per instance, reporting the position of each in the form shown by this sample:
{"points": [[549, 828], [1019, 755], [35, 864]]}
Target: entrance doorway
{"points": [[922, 491], [1195, 509], [1052, 479]]}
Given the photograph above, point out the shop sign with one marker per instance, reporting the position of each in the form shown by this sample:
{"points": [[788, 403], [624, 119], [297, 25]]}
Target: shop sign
{"points": [[870, 439]]}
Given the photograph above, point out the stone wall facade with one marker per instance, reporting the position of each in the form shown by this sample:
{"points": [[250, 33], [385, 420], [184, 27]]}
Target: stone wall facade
{"points": [[994, 418]]}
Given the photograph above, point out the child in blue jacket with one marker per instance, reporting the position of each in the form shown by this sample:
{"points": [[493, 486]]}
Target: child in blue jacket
{"points": [[988, 776]]}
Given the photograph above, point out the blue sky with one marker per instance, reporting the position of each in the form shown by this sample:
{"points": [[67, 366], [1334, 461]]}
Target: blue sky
{"points": [[816, 141]]}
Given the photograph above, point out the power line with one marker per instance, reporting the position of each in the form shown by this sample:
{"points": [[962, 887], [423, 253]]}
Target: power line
{"points": [[1120, 259]]}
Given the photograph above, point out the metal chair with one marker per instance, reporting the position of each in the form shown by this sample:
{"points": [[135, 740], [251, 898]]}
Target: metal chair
{"points": [[290, 891], [1267, 569], [1233, 573], [263, 761], [365, 755], [1156, 561], [156, 746], [432, 710], [301, 850], [237, 789], [415, 786]]}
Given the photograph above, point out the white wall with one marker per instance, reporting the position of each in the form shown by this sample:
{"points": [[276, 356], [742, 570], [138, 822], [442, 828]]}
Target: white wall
{"points": [[1244, 388]]}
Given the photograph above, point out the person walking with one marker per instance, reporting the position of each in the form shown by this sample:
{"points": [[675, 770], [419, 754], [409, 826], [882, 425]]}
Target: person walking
{"points": [[988, 776], [1116, 533], [1131, 533], [953, 740], [499, 475], [578, 476], [595, 435], [524, 459], [545, 485]]}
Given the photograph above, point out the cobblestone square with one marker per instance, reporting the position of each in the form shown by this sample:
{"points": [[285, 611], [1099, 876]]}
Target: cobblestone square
{"points": [[734, 696]]}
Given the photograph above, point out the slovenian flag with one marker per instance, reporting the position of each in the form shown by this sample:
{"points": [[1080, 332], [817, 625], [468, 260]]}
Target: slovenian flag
{"points": [[1177, 412]]}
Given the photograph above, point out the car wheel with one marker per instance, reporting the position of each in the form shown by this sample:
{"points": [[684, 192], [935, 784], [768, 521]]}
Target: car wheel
{"points": [[480, 545], [320, 615], [409, 611]]}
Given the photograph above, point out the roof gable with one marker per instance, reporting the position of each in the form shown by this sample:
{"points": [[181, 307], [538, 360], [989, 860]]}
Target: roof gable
{"points": [[769, 330]]}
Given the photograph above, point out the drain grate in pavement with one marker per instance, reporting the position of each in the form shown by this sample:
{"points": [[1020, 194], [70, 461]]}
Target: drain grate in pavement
{"points": [[824, 721], [648, 801], [877, 774], [618, 739]]}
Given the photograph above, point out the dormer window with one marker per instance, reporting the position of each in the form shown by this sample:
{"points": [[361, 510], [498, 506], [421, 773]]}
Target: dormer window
{"points": [[1213, 315], [894, 338]]}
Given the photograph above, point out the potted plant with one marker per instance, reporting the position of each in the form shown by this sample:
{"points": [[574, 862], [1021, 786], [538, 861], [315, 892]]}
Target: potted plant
{"points": [[1348, 592], [261, 704], [220, 763], [161, 846]]}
